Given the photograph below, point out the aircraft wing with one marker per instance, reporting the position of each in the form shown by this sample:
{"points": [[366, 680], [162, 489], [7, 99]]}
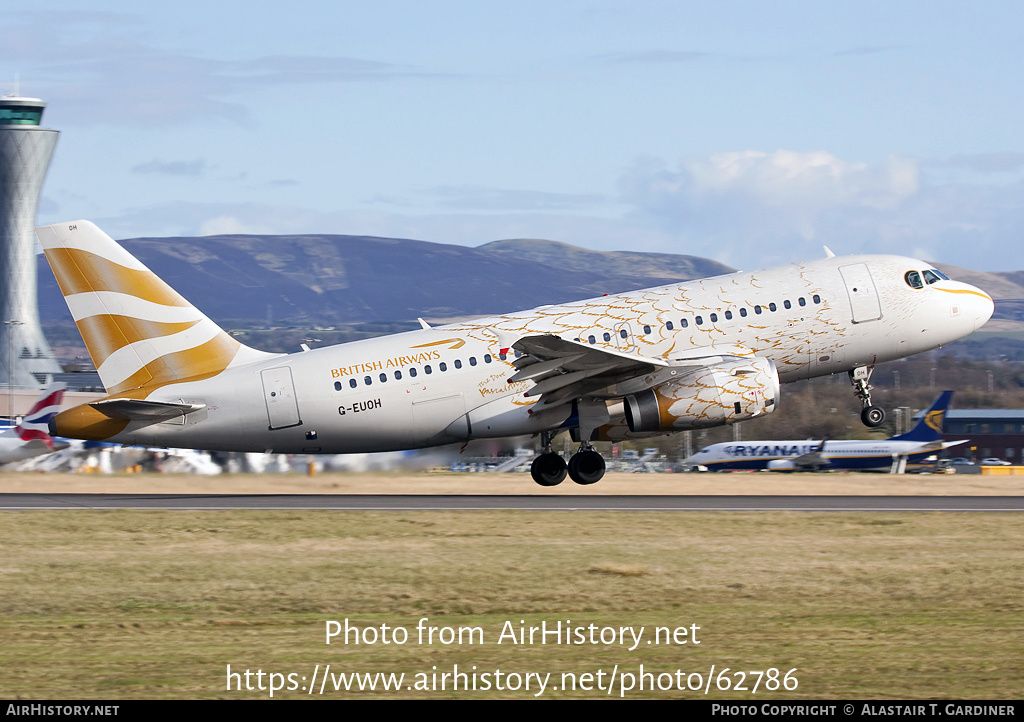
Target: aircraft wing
{"points": [[564, 369], [812, 459]]}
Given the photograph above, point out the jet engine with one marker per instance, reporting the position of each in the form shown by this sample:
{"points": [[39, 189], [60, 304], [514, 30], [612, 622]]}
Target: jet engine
{"points": [[729, 391]]}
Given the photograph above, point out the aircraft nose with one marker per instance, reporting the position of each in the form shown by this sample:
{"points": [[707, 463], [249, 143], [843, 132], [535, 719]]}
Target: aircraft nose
{"points": [[981, 307]]}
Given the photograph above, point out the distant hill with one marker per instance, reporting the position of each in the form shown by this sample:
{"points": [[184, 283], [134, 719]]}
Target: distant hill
{"points": [[325, 280]]}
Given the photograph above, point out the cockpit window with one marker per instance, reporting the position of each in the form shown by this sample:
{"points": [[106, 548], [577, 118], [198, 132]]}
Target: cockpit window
{"points": [[932, 276], [913, 279]]}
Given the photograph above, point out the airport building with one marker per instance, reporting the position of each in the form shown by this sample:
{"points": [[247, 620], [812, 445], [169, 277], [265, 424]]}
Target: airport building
{"points": [[26, 360], [993, 433]]}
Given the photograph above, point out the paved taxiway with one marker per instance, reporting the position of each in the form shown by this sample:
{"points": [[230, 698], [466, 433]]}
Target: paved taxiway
{"points": [[405, 502]]}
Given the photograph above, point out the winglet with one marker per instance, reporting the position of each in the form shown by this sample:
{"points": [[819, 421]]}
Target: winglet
{"points": [[828, 252]]}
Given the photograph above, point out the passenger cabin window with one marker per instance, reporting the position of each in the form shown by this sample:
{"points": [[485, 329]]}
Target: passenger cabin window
{"points": [[743, 312], [714, 318], [728, 315], [787, 304], [757, 310], [772, 307], [913, 279], [353, 383], [668, 325], [699, 320], [816, 298], [647, 329], [683, 323]]}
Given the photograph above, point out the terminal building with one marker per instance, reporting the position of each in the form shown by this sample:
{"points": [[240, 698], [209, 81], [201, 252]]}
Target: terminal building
{"points": [[997, 433], [26, 359]]}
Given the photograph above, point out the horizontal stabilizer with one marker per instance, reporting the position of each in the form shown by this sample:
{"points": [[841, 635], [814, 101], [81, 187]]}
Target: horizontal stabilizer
{"points": [[139, 410]]}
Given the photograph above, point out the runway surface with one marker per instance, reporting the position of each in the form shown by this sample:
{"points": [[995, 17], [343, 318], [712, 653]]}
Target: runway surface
{"points": [[424, 502]]}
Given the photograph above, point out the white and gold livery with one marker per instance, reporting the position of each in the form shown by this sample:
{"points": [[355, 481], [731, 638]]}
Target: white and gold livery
{"points": [[683, 356]]}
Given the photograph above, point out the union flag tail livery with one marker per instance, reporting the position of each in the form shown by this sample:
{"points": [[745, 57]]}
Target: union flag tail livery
{"points": [[34, 424], [140, 332], [626, 366], [31, 437]]}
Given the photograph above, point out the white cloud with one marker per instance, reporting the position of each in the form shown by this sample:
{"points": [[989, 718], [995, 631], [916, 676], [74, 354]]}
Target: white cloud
{"points": [[192, 169], [95, 69], [740, 205], [746, 209], [229, 225]]}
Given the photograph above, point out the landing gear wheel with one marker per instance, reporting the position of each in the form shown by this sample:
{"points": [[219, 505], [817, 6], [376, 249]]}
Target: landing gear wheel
{"points": [[872, 416], [548, 469], [586, 467]]}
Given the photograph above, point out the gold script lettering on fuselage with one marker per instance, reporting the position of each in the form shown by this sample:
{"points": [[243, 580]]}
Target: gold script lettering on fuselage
{"points": [[392, 363]]}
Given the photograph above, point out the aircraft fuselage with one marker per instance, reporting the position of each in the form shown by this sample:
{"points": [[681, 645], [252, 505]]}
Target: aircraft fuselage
{"points": [[450, 383]]}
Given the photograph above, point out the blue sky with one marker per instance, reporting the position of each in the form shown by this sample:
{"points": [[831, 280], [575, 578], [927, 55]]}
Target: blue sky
{"points": [[748, 132]]}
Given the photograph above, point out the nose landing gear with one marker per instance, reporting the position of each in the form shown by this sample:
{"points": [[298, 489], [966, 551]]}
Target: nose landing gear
{"points": [[872, 416]]}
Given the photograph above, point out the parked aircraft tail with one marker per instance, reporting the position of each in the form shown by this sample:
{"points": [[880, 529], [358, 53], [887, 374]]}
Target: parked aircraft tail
{"points": [[140, 332], [929, 427], [34, 425]]}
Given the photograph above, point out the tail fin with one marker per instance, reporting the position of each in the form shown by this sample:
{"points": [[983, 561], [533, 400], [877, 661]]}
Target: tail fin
{"points": [[139, 331], [929, 428], [35, 423]]}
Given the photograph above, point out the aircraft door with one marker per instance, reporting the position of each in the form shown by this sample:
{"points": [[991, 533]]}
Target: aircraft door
{"points": [[624, 337], [860, 287], [279, 393]]}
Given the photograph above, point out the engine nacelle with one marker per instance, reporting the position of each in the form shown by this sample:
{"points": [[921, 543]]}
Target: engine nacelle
{"points": [[730, 391]]}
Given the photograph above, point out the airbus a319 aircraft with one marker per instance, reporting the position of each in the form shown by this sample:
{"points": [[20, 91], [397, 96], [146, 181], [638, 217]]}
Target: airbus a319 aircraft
{"points": [[924, 440], [629, 365]]}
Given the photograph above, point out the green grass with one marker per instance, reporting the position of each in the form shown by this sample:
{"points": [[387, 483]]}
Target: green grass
{"points": [[153, 604]]}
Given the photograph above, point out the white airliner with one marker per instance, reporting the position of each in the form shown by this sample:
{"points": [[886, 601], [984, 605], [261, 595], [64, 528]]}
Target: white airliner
{"points": [[924, 440], [629, 365], [31, 436]]}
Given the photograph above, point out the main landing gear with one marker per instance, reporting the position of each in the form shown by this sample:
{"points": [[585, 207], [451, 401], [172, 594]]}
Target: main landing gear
{"points": [[871, 415], [586, 466]]}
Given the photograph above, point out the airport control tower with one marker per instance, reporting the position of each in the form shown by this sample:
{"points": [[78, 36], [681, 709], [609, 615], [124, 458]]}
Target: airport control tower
{"points": [[26, 360]]}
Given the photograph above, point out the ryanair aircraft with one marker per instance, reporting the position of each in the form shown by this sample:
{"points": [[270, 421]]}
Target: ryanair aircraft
{"points": [[924, 440], [630, 365]]}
